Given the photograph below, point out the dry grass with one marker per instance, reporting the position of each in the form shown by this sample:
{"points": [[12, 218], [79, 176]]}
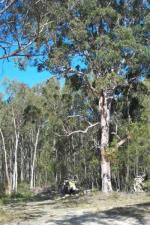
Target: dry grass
{"points": [[95, 202], [100, 202], [7, 215]]}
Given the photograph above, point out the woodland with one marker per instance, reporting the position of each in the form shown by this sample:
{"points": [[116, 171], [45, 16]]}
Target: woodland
{"points": [[90, 121]]}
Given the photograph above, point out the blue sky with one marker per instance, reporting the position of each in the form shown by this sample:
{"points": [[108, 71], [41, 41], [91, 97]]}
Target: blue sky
{"points": [[30, 76]]}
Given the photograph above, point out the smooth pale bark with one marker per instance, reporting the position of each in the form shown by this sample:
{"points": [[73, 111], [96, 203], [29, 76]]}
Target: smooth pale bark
{"points": [[32, 181], [22, 166], [104, 109], [15, 165], [11, 160], [8, 183]]}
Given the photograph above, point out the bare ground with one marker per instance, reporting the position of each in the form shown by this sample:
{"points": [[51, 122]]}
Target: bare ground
{"points": [[93, 209]]}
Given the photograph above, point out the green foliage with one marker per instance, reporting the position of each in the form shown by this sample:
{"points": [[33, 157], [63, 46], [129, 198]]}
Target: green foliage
{"points": [[23, 190], [78, 28], [109, 81], [147, 185], [110, 37], [16, 197]]}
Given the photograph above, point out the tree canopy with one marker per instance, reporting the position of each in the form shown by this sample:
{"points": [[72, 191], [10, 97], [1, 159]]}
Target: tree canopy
{"points": [[101, 111]]}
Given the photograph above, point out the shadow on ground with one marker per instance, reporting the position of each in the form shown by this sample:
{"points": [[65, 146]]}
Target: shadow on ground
{"points": [[134, 214], [32, 215]]}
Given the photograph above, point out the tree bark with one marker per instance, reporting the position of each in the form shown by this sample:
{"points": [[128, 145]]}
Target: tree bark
{"points": [[104, 109], [22, 166], [15, 165], [56, 159], [32, 181], [8, 183], [15, 169]]}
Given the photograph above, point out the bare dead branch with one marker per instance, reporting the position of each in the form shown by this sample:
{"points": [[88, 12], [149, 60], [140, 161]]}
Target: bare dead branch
{"points": [[73, 116], [80, 116], [37, 2], [117, 136], [120, 143], [79, 131]]}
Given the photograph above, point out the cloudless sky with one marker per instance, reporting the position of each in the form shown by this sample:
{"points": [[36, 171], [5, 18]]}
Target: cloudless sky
{"points": [[30, 76]]}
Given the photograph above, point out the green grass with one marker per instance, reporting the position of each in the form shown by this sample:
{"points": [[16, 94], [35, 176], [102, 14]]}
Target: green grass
{"points": [[147, 185], [23, 194], [15, 197]]}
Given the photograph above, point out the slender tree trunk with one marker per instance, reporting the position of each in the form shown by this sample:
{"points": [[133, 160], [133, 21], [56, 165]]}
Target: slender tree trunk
{"points": [[127, 172], [74, 155], [118, 181], [11, 161], [8, 183], [34, 159], [46, 179], [56, 159], [128, 154], [85, 167], [15, 166], [22, 160], [137, 164], [104, 109], [22, 166]]}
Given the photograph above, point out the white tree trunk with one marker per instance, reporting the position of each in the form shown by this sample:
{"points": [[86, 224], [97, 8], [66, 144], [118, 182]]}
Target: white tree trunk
{"points": [[32, 182], [15, 166], [104, 109], [15, 162], [22, 166], [8, 183]]}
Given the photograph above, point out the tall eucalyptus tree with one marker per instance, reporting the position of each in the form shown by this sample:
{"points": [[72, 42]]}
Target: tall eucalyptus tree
{"points": [[112, 39]]}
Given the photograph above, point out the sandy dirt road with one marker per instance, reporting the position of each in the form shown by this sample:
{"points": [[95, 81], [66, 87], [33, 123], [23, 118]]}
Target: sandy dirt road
{"points": [[87, 210]]}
